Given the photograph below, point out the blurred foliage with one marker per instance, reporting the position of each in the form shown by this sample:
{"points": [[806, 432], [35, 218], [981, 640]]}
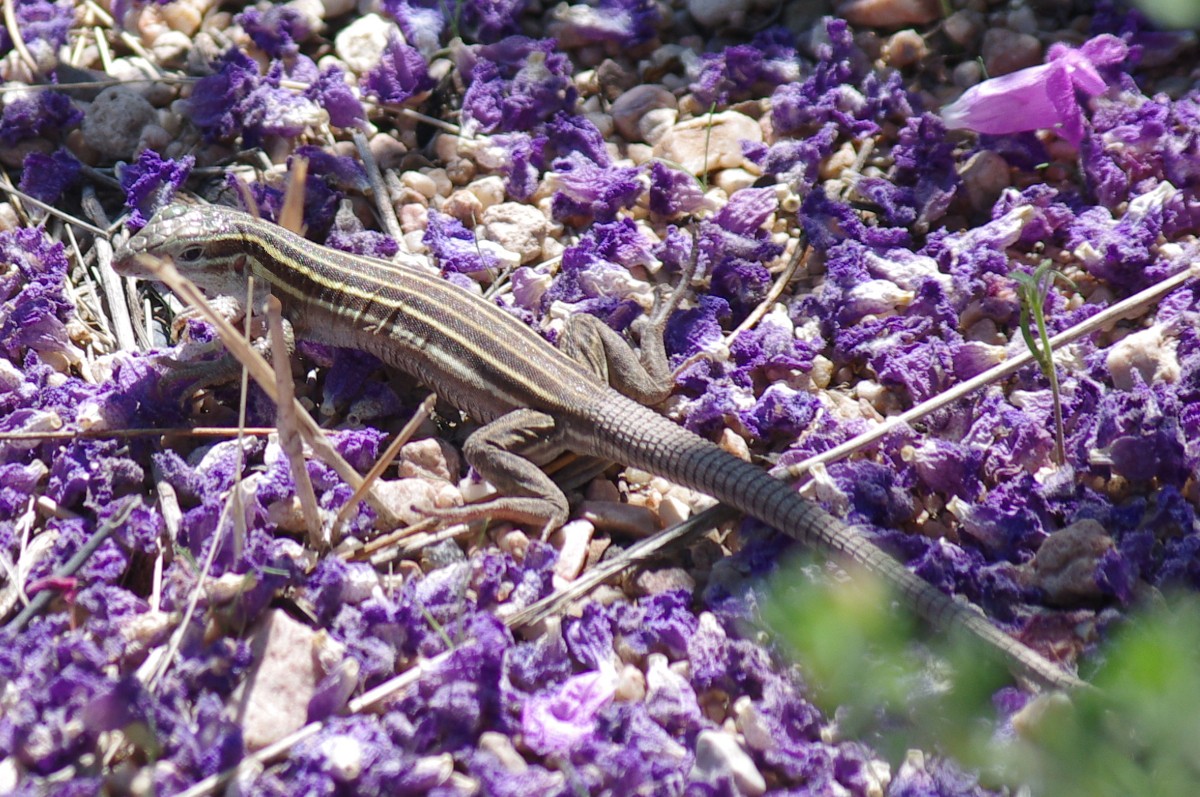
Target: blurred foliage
{"points": [[1171, 13], [1137, 733]]}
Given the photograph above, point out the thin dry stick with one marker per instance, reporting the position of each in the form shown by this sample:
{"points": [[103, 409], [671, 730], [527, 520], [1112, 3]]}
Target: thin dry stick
{"points": [[261, 372], [152, 676], [291, 215], [383, 198], [11, 190], [289, 436], [14, 33], [72, 565], [110, 282], [239, 514], [393, 450], [106, 434], [405, 542], [1118, 311], [773, 295], [168, 505], [85, 297]]}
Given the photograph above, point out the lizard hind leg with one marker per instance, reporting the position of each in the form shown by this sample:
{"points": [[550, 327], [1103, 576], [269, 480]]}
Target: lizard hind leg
{"points": [[509, 453]]}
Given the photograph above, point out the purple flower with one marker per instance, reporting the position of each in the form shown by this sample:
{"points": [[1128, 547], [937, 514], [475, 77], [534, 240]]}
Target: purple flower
{"points": [[673, 191], [215, 99], [515, 84], [277, 31], [41, 23], [46, 177], [555, 722], [47, 114], [591, 190], [237, 100], [750, 70], [150, 183], [400, 74], [1040, 97], [330, 91], [625, 22], [454, 247]]}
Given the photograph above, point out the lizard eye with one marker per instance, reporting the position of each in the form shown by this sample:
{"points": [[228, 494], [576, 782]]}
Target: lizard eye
{"points": [[191, 254]]}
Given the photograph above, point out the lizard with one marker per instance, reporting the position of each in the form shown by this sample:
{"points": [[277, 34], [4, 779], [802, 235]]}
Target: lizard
{"points": [[533, 399]]}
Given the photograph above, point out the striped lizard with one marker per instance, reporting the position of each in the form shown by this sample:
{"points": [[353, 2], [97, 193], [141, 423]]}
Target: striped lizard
{"points": [[534, 400]]}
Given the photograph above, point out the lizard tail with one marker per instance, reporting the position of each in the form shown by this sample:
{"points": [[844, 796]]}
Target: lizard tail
{"points": [[652, 442]]}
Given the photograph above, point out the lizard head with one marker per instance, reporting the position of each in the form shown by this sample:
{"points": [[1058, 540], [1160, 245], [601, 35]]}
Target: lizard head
{"points": [[204, 242]]}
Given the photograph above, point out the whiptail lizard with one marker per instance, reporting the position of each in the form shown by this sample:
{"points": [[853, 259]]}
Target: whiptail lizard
{"points": [[535, 400]]}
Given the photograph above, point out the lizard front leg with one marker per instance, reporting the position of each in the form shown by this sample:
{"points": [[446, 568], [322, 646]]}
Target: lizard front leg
{"points": [[595, 345], [190, 373]]}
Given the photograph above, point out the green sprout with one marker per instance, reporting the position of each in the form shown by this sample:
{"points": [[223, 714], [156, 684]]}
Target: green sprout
{"points": [[712, 110], [1032, 289]]}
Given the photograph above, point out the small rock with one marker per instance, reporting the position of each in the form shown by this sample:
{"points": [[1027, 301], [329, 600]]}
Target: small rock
{"points": [[1151, 352], [464, 206], [1022, 19], [967, 74], [719, 13], [631, 685], [1064, 567], [185, 16], [904, 48], [664, 579], [963, 27], [733, 180], [460, 171], [412, 500], [628, 109], [441, 554], [389, 152], [1006, 51], [709, 143], [597, 490], [501, 746], [274, 697], [414, 218], [717, 754], [489, 190], [360, 44], [429, 457], [673, 510], [572, 541], [517, 227], [113, 123], [889, 13], [613, 79], [984, 176], [654, 125], [423, 184], [629, 519], [343, 757]]}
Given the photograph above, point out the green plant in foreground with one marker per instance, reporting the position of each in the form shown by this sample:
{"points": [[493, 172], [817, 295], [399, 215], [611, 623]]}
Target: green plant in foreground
{"points": [[1137, 733], [1171, 13], [1032, 289]]}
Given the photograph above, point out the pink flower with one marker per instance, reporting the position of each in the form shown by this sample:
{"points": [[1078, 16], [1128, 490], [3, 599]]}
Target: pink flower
{"points": [[1040, 97], [556, 722]]}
